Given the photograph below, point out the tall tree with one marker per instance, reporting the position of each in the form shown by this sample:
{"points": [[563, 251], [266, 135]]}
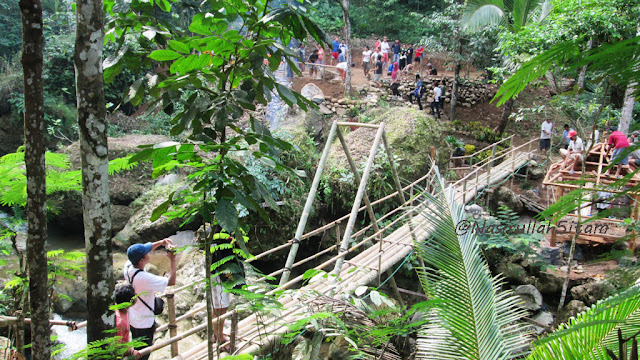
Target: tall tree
{"points": [[95, 165], [514, 15], [32, 60]]}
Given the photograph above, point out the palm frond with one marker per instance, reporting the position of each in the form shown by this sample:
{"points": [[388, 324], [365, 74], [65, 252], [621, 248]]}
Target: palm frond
{"points": [[526, 11], [473, 319], [591, 333], [480, 13]]}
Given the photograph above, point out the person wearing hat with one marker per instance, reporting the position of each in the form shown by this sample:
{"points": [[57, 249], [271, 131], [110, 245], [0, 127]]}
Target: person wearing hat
{"points": [[142, 320], [573, 153], [618, 142]]}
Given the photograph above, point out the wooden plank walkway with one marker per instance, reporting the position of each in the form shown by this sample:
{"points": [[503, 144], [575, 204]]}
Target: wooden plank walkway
{"points": [[260, 331]]}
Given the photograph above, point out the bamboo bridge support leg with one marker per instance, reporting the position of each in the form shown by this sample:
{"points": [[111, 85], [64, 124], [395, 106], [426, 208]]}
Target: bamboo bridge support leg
{"points": [[634, 216], [344, 245], [234, 330], [20, 332], [307, 206], [173, 328], [513, 164], [476, 187]]}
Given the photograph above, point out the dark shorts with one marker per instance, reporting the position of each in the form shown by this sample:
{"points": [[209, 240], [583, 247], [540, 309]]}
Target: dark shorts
{"points": [[616, 156], [366, 65], [417, 59], [144, 335], [545, 144]]}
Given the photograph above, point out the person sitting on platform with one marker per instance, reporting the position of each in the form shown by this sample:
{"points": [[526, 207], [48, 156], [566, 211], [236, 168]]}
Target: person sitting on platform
{"points": [[573, 155]]}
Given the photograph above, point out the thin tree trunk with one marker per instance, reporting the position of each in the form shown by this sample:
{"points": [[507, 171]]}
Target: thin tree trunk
{"points": [[627, 108], [32, 60], [95, 165], [506, 113], [456, 78], [583, 74], [552, 82], [347, 29], [208, 296]]}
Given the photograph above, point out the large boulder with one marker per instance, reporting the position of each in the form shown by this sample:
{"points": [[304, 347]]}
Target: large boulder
{"points": [[140, 228], [312, 92], [544, 318], [531, 297], [591, 292], [549, 283], [507, 197], [410, 133], [70, 297], [124, 186], [514, 273]]}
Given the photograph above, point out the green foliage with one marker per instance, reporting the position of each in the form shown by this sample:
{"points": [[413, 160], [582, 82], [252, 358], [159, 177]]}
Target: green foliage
{"points": [[469, 149], [454, 141], [106, 349], [474, 319], [509, 238], [594, 333]]}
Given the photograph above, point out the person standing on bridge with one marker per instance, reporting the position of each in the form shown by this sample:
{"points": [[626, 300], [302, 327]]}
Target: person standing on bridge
{"points": [[142, 321]]}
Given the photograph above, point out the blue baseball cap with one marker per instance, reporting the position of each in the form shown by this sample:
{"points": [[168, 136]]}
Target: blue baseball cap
{"points": [[136, 252]]}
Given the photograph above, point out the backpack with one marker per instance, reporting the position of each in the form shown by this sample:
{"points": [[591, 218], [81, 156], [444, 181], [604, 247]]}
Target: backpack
{"points": [[158, 303]]}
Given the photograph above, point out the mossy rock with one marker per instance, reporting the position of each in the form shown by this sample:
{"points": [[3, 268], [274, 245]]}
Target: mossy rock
{"points": [[410, 133]]}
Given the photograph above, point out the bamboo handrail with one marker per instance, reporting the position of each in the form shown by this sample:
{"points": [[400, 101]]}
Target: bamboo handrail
{"points": [[481, 150]]}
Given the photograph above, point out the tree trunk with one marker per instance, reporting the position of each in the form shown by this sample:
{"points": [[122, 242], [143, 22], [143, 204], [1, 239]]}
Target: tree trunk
{"points": [[92, 129], [627, 108], [347, 29], [454, 87], [506, 113], [32, 60], [583, 74]]}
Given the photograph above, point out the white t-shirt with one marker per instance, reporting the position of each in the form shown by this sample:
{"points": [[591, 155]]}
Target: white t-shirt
{"points": [[437, 92], [546, 126], [576, 145], [366, 56], [342, 66], [343, 48], [384, 47], [145, 285]]}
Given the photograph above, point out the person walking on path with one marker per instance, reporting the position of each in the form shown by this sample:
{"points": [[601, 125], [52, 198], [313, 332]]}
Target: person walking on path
{"points": [[334, 52], [376, 46], [396, 50], [366, 61], [418, 58], [377, 74], [409, 55], [313, 59], [435, 103], [385, 48], [142, 321], [545, 135], [343, 48], [618, 142], [417, 92], [302, 58], [394, 72]]}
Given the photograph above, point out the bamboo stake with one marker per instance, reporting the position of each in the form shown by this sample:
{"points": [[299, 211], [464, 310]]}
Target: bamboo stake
{"points": [[173, 331], [234, 329], [356, 204], [307, 206]]}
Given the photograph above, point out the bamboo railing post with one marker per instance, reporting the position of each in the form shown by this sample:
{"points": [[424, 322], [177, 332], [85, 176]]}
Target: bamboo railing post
{"points": [[20, 332], [173, 328], [476, 187], [344, 245], [307, 206], [234, 330]]}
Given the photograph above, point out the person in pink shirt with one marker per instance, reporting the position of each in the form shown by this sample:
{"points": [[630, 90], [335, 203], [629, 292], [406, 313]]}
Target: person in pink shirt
{"points": [[320, 55], [123, 295], [618, 142]]}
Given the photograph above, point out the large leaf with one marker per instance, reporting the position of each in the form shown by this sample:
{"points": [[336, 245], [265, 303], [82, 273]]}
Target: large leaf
{"points": [[474, 319], [227, 215], [592, 332], [164, 55]]}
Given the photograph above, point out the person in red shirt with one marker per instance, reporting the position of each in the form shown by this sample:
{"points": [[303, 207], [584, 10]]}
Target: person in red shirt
{"points": [[124, 294], [618, 142], [419, 50]]}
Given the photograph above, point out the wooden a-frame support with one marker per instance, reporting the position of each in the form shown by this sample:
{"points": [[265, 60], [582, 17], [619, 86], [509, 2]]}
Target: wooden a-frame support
{"points": [[360, 196]]}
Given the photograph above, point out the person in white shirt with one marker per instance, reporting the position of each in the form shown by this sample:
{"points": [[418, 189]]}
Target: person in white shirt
{"points": [[573, 154], [545, 135], [142, 321], [342, 70], [343, 48], [384, 49], [366, 61], [435, 104]]}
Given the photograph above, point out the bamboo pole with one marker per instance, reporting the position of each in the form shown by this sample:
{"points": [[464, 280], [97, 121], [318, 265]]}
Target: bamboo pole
{"points": [[232, 334], [173, 328], [307, 206], [356, 204], [357, 124], [186, 315]]}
